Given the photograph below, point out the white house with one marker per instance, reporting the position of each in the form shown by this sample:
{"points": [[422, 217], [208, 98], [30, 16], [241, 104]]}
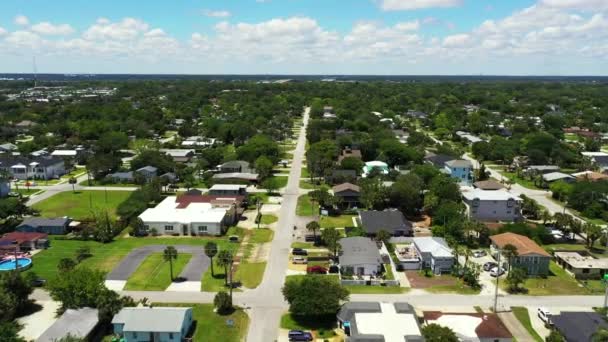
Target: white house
{"points": [[162, 324], [382, 167], [434, 253], [360, 256], [33, 168], [175, 216], [492, 205]]}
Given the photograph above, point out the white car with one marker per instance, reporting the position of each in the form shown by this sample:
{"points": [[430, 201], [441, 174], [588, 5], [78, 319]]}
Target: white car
{"points": [[479, 254], [299, 260], [545, 316], [497, 271]]}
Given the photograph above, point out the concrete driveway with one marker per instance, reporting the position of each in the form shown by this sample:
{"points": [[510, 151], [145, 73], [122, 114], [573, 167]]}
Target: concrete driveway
{"points": [[488, 283]]}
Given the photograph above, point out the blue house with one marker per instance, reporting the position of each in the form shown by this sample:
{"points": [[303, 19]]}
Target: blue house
{"points": [[461, 170], [5, 188], [53, 226], [159, 324]]}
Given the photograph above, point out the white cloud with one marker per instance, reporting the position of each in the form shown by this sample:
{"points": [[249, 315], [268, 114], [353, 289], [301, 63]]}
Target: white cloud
{"points": [[3, 31], [22, 20], [457, 41], [216, 14], [127, 29], [576, 4], [403, 5], [408, 25], [46, 28]]}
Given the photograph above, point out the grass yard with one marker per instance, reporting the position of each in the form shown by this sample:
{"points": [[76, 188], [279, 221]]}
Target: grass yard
{"points": [[521, 181], [304, 245], [154, 273], [306, 185], [112, 185], [81, 204], [106, 256], [458, 288], [305, 206], [341, 221], [261, 235], [557, 283], [321, 328], [27, 192], [250, 274], [216, 282], [281, 181], [521, 313], [211, 326], [305, 173], [364, 289], [268, 219]]}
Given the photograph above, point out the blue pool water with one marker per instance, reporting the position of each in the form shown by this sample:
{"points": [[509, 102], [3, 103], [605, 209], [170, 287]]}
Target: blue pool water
{"points": [[9, 265]]}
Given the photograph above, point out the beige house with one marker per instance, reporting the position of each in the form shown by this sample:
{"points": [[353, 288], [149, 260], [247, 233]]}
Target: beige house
{"points": [[582, 266]]}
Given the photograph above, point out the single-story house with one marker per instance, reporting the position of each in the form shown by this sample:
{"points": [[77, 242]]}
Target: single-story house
{"points": [[380, 166], [541, 169], [416, 114], [236, 166], [460, 169], [342, 175], [401, 135], [8, 147], [122, 177], [179, 155], [590, 176], [578, 326], [558, 176], [64, 153], [600, 159], [530, 256], [479, 327], [434, 253], [237, 176], [348, 194], [148, 172], [391, 221], [582, 266], [438, 160], [349, 152], [79, 323], [228, 189], [169, 176], [379, 322], [360, 256], [43, 167], [53, 226], [198, 141], [492, 205], [488, 185], [26, 241], [143, 324]]}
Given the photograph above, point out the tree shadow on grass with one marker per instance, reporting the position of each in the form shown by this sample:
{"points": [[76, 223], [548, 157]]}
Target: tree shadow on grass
{"points": [[29, 308]]}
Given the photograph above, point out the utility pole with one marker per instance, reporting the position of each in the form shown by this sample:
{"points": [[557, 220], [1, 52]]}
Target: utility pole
{"points": [[496, 289], [605, 281]]}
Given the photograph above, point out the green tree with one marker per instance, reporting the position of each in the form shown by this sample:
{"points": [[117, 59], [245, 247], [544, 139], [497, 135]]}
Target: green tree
{"points": [[271, 185], [211, 251], [225, 260], [82, 253], [79, 288], [66, 265], [592, 233], [516, 277], [73, 182], [222, 302], [9, 332], [601, 335], [437, 333], [170, 254], [555, 336], [305, 298], [313, 226], [263, 166], [331, 238], [8, 307], [509, 251], [383, 236]]}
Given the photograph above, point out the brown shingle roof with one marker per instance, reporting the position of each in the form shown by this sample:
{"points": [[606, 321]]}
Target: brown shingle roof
{"points": [[488, 185], [346, 186], [523, 243]]}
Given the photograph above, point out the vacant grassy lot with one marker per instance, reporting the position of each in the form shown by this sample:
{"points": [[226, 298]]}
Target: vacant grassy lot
{"points": [[305, 173], [523, 317], [268, 219], [211, 327], [341, 221], [114, 185], [364, 289], [304, 245], [557, 283], [307, 185], [154, 273], [321, 328], [305, 206], [81, 204], [261, 235], [250, 274]]}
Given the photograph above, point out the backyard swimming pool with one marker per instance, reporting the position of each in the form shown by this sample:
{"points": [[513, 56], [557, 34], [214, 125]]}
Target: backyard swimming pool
{"points": [[9, 265]]}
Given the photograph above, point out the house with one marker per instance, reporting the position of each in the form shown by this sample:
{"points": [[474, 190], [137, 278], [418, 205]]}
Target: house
{"points": [[492, 205], [43, 167], [378, 166], [360, 256], [122, 177], [348, 152], [600, 159], [81, 323], [27, 241], [179, 155], [541, 169], [578, 326], [590, 176], [159, 324], [236, 166], [341, 175], [530, 256], [148, 172], [8, 148], [391, 221], [401, 135], [198, 141], [478, 327], [228, 189], [416, 114], [460, 169], [557, 176], [438, 160], [348, 194], [24, 125], [237, 176], [193, 214], [53, 226], [379, 322], [5, 188], [488, 185], [434, 253], [169, 176], [581, 265], [468, 137]]}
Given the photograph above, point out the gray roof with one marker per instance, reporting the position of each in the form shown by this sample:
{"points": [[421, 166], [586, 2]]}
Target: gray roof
{"points": [[390, 220], [44, 161], [348, 310], [359, 250], [459, 163], [45, 222], [148, 169], [438, 160], [236, 163], [157, 319], [578, 326], [122, 175], [553, 176], [78, 323]]}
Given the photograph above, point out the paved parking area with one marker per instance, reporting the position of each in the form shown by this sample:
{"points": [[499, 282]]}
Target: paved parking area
{"points": [[488, 283]]}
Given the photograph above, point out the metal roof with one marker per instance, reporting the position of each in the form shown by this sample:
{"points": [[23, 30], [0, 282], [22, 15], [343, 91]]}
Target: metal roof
{"points": [[78, 323], [359, 250], [156, 319]]}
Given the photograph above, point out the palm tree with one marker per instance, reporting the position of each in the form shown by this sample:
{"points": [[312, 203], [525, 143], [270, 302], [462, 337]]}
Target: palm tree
{"points": [[467, 254], [73, 182], [545, 215], [169, 254], [211, 251], [225, 260], [600, 335], [383, 236], [509, 251], [313, 226]]}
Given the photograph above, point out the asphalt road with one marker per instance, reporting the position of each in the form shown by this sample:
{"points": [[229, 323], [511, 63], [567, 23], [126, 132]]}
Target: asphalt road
{"points": [[193, 271]]}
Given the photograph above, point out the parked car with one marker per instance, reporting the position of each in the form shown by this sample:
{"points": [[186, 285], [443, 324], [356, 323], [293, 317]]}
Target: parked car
{"points": [[299, 251], [233, 238], [334, 269], [479, 254], [497, 271], [299, 260], [316, 269], [299, 335], [545, 316], [38, 282], [310, 238], [489, 265]]}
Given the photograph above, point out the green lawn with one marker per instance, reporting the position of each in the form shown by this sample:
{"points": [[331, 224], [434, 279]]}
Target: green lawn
{"points": [[261, 235], [111, 185], [321, 328], [364, 289], [305, 184], [305, 173], [154, 273], [268, 219], [557, 283], [341, 221], [521, 313], [216, 282], [81, 204], [305, 207], [211, 327], [304, 245], [250, 274], [521, 181], [26, 192], [106, 256], [281, 181]]}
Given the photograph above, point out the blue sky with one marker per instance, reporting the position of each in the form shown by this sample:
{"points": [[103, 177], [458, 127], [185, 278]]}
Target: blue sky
{"points": [[521, 37]]}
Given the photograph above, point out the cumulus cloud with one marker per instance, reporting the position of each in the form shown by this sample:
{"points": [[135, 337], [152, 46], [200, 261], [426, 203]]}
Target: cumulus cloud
{"points": [[46, 28], [457, 41], [576, 4], [216, 14], [22, 20], [127, 29], [403, 5], [2, 31]]}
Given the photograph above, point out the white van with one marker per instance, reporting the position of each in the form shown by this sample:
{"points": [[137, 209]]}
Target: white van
{"points": [[299, 260]]}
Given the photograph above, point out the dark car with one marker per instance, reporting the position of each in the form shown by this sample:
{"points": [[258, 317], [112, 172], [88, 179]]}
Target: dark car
{"points": [[489, 265], [38, 282], [316, 269], [299, 251], [310, 238], [299, 335]]}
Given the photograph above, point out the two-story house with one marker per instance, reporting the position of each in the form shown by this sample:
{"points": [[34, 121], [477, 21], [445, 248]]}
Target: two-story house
{"points": [[460, 169], [43, 167], [530, 256], [492, 205]]}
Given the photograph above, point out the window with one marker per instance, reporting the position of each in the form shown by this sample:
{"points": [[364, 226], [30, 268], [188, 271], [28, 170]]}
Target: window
{"points": [[585, 270], [169, 228], [202, 229], [134, 335], [146, 227], [171, 335]]}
